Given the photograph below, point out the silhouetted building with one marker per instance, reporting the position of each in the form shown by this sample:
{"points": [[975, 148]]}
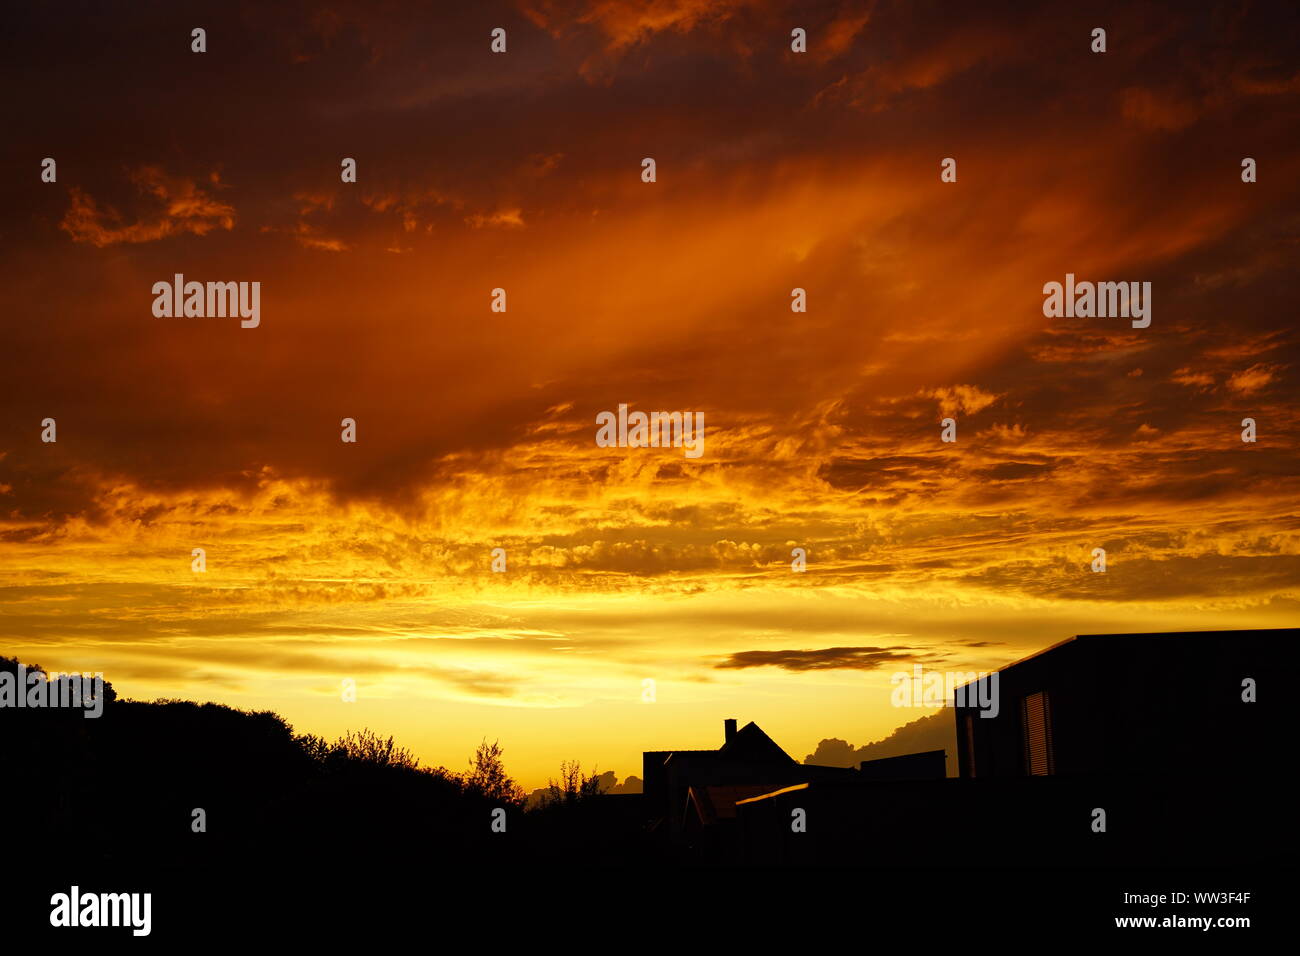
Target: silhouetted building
{"points": [[691, 794], [1132, 704]]}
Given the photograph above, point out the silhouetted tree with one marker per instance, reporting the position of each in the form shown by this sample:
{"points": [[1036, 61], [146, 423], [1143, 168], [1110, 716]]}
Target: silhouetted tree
{"points": [[573, 787], [488, 778]]}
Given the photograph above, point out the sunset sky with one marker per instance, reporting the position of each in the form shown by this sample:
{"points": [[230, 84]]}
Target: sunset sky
{"points": [[476, 429]]}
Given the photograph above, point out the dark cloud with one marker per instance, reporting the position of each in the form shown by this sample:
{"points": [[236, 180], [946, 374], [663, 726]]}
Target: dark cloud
{"points": [[830, 658], [472, 164]]}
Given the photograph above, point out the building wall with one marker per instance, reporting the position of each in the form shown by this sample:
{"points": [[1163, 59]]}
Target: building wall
{"points": [[1141, 704]]}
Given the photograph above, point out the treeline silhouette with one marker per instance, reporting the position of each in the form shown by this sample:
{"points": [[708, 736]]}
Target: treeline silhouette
{"points": [[127, 785]]}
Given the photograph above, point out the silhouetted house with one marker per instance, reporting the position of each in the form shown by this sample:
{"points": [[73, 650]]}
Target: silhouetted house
{"points": [[1131, 704], [691, 795]]}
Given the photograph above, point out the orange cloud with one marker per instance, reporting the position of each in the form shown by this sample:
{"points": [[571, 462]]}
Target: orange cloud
{"points": [[186, 208], [1253, 379]]}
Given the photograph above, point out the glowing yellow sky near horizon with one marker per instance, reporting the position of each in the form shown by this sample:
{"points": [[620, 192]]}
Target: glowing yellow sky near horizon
{"points": [[550, 658]]}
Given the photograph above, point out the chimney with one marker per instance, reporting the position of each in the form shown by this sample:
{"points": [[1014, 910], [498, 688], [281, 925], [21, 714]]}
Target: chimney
{"points": [[730, 728]]}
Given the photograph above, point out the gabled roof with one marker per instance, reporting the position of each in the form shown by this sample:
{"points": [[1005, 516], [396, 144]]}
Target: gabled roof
{"points": [[750, 744]]}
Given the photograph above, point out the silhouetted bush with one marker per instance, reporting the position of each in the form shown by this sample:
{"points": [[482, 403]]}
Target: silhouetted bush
{"points": [[129, 783]]}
